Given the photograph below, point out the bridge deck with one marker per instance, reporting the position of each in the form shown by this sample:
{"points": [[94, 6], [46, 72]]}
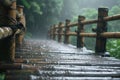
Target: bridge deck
{"points": [[49, 60]]}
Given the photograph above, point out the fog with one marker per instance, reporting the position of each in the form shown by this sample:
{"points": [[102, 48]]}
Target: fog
{"points": [[74, 7], [55, 11]]}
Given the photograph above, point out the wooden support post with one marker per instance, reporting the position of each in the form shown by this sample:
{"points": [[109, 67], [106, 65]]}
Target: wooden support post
{"points": [[67, 30], [80, 29], [59, 32], [54, 36], [54, 32], [50, 32], [20, 19], [7, 45], [101, 27]]}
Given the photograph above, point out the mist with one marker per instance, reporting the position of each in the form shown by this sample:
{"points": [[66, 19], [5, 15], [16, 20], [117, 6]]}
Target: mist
{"points": [[41, 14], [75, 7]]}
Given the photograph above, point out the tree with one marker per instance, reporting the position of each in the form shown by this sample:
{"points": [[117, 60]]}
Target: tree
{"points": [[40, 14]]}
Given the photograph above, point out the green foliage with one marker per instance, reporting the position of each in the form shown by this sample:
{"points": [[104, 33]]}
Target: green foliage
{"points": [[114, 25], [26, 4], [115, 10], [89, 13], [113, 46], [36, 8], [28, 35], [41, 14], [2, 76]]}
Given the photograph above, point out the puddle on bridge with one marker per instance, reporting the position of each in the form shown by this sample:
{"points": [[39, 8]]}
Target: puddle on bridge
{"points": [[55, 61]]}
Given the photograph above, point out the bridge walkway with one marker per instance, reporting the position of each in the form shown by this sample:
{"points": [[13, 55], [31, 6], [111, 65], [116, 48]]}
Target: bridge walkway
{"points": [[49, 60]]}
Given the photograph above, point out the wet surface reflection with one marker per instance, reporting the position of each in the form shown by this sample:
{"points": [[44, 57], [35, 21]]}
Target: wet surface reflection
{"points": [[54, 61]]}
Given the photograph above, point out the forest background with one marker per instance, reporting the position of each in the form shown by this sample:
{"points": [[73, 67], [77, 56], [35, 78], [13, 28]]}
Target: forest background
{"points": [[41, 14]]}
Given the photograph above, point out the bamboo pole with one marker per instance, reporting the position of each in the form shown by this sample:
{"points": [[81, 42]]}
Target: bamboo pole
{"points": [[51, 32], [7, 45], [21, 20], [5, 32], [101, 27], [110, 34], [17, 77], [104, 34], [67, 30], [59, 32], [54, 32], [16, 66], [80, 29], [86, 22]]}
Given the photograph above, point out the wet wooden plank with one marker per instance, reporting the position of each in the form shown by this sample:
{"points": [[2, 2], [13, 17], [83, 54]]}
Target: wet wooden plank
{"points": [[60, 65], [17, 77], [79, 74]]}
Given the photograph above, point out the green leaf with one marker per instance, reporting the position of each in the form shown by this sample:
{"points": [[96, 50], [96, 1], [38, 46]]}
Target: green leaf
{"points": [[36, 8], [26, 4]]}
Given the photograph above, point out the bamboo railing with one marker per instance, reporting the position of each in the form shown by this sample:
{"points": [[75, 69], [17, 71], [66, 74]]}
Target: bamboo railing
{"points": [[100, 33], [12, 28]]}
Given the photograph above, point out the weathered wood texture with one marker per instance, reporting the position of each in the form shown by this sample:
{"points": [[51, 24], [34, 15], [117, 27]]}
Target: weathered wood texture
{"points": [[67, 30], [9, 29], [59, 32], [100, 33], [101, 27], [80, 29], [7, 45], [60, 62], [21, 19]]}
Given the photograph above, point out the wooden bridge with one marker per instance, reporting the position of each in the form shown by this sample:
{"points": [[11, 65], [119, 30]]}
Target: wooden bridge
{"points": [[49, 60]]}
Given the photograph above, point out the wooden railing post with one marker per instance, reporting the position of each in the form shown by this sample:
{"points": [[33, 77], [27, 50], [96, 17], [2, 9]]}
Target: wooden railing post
{"points": [[80, 29], [50, 32], [21, 20], [67, 30], [101, 27], [7, 45], [59, 32], [54, 32]]}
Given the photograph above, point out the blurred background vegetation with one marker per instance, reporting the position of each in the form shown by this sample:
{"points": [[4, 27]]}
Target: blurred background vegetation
{"points": [[41, 14], [2, 76]]}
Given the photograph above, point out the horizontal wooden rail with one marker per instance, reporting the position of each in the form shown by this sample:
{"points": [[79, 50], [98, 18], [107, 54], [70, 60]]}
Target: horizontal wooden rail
{"points": [[111, 18], [100, 32], [105, 34], [5, 32]]}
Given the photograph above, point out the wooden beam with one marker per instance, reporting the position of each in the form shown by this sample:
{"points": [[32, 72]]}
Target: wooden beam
{"points": [[111, 18], [5, 32], [72, 34], [108, 18], [67, 30], [100, 47], [59, 32], [105, 34], [80, 29], [110, 34], [21, 19], [7, 45]]}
